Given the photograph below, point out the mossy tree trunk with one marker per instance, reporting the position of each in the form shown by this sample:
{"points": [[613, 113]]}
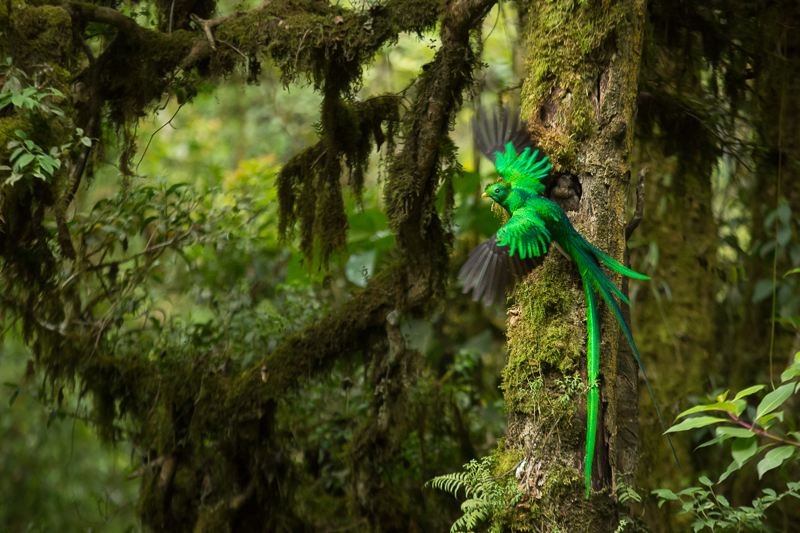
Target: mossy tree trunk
{"points": [[580, 99]]}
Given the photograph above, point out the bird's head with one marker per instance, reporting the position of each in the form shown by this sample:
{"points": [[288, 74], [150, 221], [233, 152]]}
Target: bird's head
{"points": [[498, 191]]}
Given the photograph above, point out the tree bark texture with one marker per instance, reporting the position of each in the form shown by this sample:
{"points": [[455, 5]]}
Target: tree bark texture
{"points": [[580, 99]]}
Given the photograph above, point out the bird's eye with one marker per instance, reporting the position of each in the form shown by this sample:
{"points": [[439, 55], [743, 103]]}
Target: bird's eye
{"points": [[497, 189]]}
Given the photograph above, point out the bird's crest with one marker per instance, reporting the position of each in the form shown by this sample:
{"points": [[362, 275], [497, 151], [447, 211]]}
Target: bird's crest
{"points": [[523, 170]]}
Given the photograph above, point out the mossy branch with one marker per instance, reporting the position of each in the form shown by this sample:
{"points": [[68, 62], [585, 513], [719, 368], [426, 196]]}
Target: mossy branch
{"points": [[317, 347]]}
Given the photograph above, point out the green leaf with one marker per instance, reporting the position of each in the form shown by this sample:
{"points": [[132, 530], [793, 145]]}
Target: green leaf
{"points": [[738, 432], [743, 449], [748, 391], [693, 423], [774, 459], [792, 271], [705, 481], [774, 399], [24, 160], [13, 179], [715, 440], [86, 141], [664, 495], [46, 166], [733, 467], [764, 420], [720, 406], [791, 372]]}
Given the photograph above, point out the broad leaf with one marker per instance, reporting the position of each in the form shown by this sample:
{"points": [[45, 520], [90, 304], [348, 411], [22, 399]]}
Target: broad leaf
{"points": [[24, 160], [748, 391], [693, 423], [774, 459], [664, 495], [739, 432], [715, 440], [733, 467], [720, 406], [744, 449], [791, 372], [774, 399]]}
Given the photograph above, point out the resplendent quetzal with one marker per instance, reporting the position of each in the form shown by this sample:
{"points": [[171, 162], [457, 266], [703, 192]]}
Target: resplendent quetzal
{"points": [[537, 222]]}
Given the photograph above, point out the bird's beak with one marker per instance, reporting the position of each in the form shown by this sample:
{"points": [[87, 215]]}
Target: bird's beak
{"points": [[484, 195]]}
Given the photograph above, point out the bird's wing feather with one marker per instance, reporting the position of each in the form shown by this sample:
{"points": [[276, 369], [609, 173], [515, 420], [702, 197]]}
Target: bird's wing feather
{"points": [[490, 268], [526, 234], [506, 142], [492, 135]]}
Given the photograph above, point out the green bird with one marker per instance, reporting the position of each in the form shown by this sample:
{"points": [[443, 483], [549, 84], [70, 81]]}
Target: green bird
{"points": [[520, 245]]}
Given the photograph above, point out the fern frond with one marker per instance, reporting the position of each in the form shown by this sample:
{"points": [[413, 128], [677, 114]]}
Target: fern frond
{"points": [[486, 498]]}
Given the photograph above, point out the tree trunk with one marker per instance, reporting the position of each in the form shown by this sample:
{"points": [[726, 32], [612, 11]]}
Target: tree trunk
{"points": [[580, 99], [675, 326]]}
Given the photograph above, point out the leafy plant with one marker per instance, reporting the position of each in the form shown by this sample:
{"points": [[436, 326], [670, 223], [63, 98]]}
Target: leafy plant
{"points": [[746, 426], [713, 511], [28, 158], [30, 98], [486, 497]]}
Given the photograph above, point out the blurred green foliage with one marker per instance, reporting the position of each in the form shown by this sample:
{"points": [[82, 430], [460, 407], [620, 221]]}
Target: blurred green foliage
{"points": [[191, 252]]}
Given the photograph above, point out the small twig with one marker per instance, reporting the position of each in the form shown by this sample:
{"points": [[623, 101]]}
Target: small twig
{"points": [[154, 134], [507, 472], [761, 432], [229, 44], [639, 210], [206, 25], [171, 13], [299, 47], [551, 431]]}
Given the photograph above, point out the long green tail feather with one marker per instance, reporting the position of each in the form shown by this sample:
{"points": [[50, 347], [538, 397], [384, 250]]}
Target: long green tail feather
{"points": [[611, 263], [601, 282], [593, 353]]}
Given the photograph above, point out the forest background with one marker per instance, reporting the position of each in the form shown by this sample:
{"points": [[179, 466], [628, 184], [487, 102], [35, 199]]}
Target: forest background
{"points": [[192, 189]]}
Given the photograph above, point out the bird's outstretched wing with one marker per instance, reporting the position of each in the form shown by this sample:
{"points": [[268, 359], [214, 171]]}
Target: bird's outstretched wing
{"points": [[491, 268], [505, 141], [526, 234], [516, 249], [493, 133]]}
